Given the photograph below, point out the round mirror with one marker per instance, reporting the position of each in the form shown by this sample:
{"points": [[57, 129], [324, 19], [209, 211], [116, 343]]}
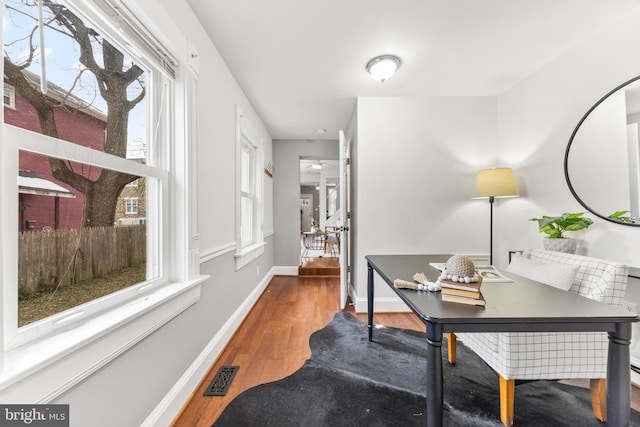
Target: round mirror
{"points": [[602, 160]]}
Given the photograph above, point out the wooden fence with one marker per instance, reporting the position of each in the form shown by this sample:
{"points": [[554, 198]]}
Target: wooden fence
{"points": [[69, 256]]}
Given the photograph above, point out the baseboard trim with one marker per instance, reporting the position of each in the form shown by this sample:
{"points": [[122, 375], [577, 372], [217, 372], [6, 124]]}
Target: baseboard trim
{"points": [[285, 270], [171, 405]]}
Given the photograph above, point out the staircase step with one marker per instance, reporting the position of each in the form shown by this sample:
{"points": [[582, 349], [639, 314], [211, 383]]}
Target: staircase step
{"points": [[318, 271], [321, 266]]}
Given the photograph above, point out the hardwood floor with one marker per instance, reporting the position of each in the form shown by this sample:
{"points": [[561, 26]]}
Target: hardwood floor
{"points": [[273, 341]]}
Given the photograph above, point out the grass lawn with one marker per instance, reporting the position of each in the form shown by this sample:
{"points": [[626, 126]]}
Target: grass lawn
{"points": [[46, 303]]}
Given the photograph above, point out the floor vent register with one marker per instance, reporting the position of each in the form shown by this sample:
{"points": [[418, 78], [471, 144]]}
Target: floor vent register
{"points": [[222, 381]]}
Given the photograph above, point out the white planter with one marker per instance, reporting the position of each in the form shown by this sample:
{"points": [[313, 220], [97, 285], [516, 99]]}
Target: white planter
{"points": [[561, 245]]}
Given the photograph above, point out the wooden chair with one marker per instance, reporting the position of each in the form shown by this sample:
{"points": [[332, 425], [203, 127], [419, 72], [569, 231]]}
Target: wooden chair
{"points": [[553, 356], [331, 240]]}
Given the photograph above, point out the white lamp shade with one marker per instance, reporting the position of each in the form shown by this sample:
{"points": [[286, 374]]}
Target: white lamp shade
{"points": [[496, 182], [383, 67]]}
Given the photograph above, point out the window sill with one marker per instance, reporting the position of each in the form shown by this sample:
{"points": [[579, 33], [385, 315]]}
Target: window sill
{"points": [[42, 370], [248, 254]]}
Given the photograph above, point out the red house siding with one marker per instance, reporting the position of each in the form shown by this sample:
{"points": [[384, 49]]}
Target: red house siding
{"points": [[73, 126]]}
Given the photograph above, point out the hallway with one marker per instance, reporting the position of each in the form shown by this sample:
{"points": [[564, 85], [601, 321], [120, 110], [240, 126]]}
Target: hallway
{"points": [[273, 341]]}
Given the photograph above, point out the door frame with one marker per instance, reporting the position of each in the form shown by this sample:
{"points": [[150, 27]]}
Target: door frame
{"points": [[345, 219]]}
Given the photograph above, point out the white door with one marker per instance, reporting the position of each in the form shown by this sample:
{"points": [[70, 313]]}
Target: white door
{"points": [[345, 219]]}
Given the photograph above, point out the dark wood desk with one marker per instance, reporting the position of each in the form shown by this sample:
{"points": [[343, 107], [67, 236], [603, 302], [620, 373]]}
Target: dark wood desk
{"points": [[520, 306]]}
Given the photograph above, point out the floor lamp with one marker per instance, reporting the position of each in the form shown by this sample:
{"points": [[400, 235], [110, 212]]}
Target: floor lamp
{"points": [[491, 184]]}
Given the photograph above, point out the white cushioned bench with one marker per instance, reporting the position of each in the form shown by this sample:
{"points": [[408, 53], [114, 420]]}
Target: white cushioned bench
{"points": [[559, 355]]}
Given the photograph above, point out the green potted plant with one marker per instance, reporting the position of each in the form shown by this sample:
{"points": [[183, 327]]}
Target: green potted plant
{"points": [[555, 228]]}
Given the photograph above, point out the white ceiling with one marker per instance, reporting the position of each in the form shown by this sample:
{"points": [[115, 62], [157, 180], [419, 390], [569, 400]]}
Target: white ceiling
{"points": [[302, 63], [311, 176]]}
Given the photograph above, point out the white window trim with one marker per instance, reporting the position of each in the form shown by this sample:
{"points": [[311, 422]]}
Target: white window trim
{"points": [[127, 211], [245, 133], [12, 96], [63, 360], [79, 343]]}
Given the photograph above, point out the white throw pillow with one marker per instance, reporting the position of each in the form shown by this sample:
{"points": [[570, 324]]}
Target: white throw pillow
{"points": [[560, 276]]}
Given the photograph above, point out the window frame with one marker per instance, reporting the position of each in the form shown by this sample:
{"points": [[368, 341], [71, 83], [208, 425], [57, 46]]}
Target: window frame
{"points": [[134, 204], [69, 346], [9, 91], [248, 199], [247, 140], [16, 140]]}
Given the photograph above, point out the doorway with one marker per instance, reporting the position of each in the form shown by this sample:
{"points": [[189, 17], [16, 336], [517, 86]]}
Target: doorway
{"points": [[319, 212]]}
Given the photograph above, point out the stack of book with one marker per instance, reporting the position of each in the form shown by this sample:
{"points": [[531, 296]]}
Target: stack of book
{"points": [[462, 293]]}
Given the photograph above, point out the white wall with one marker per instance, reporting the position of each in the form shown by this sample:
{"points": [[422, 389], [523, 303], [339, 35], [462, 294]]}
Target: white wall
{"points": [[286, 194], [417, 157], [126, 392], [535, 121], [415, 171]]}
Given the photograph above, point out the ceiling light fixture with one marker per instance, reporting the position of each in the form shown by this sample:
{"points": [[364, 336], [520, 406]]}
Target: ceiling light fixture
{"points": [[317, 166], [383, 67]]}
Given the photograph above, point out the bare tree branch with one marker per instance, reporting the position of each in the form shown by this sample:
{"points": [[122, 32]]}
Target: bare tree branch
{"points": [[113, 80]]}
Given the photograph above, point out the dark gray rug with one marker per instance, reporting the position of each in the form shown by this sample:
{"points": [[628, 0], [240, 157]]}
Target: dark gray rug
{"points": [[350, 381]]}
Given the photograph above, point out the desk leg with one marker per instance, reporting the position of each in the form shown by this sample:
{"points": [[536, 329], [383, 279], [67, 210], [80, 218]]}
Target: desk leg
{"points": [[370, 300], [434, 375], [619, 376]]}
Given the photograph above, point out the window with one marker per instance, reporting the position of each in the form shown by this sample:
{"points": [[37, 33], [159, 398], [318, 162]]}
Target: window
{"points": [[72, 175], [9, 96], [248, 197], [131, 205], [133, 183], [93, 178], [249, 236]]}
